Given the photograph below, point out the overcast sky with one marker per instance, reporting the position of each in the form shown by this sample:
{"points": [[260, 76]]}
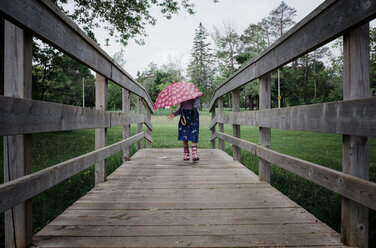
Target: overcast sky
{"points": [[173, 39]]}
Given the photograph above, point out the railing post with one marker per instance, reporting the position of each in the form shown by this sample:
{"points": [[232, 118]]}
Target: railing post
{"points": [[221, 142], [265, 133], [148, 131], [212, 112], [355, 149], [126, 128], [100, 133], [236, 128], [17, 64], [139, 125]]}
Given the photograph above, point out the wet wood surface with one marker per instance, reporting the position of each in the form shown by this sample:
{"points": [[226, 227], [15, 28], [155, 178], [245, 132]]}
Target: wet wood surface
{"points": [[158, 200]]}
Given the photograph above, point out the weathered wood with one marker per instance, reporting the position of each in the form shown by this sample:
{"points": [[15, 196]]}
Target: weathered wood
{"points": [[352, 187], [100, 133], [2, 23], [43, 18], [22, 116], [12, 193], [330, 117], [236, 128], [213, 122], [17, 149], [269, 240], [213, 128], [265, 93], [148, 139], [327, 22], [148, 128], [221, 143], [139, 126], [355, 151], [189, 212], [126, 107]]}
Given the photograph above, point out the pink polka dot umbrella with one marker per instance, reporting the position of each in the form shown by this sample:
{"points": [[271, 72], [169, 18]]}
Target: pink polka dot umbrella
{"points": [[176, 93]]}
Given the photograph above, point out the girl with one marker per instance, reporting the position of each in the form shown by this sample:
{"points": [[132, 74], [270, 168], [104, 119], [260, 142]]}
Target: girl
{"points": [[188, 126]]}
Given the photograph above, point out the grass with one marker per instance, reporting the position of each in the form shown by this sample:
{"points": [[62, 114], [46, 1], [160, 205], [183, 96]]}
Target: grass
{"points": [[325, 149]]}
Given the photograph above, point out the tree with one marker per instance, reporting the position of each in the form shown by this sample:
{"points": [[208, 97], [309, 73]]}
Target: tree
{"points": [[122, 19], [281, 19], [200, 67], [252, 43], [226, 49]]}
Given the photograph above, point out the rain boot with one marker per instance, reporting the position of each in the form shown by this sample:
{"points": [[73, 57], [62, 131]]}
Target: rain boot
{"points": [[194, 153]]}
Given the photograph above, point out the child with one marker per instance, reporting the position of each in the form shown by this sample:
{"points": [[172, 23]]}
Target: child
{"points": [[188, 126]]}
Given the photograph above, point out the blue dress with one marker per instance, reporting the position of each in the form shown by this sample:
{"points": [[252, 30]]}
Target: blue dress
{"points": [[189, 131]]}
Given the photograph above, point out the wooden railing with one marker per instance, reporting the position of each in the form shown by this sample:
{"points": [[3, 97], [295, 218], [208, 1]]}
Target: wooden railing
{"points": [[354, 118], [20, 116]]}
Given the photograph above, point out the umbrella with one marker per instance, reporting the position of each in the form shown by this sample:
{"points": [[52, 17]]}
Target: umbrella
{"points": [[176, 93]]}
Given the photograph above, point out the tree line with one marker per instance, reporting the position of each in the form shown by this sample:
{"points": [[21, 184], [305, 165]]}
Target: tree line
{"points": [[315, 77]]}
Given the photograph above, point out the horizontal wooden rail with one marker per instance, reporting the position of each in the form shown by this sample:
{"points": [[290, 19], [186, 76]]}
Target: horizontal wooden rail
{"points": [[327, 22], [22, 116], [354, 188], [48, 22], [24, 188], [352, 117]]}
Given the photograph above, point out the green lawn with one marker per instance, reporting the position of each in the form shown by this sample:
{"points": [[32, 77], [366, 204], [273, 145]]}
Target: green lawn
{"points": [[324, 149]]}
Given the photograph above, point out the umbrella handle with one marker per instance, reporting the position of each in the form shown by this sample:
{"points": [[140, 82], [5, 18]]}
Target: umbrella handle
{"points": [[183, 120]]}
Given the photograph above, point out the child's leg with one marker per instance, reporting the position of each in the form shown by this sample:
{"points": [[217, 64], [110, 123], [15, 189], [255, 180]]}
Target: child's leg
{"points": [[194, 152], [186, 150]]}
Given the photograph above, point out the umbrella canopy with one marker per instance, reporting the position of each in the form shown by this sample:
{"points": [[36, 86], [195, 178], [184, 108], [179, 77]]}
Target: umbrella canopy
{"points": [[176, 93]]}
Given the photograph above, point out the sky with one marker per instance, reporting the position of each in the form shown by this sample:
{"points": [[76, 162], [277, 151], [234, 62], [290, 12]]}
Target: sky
{"points": [[172, 40]]}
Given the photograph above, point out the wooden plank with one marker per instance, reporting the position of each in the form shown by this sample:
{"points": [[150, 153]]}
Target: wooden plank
{"points": [[327, 22], [213, 128], [148, 139], [330, 117], [265, 93], [355, 149], [221, 143], [270, 240], [12, 193], [352, 187], [213, 122], [100, 133], [186, 217], [236, 128], [17, 148], [199, 230], [126, 107], [148, 128], [43, 18], [139, 126]]}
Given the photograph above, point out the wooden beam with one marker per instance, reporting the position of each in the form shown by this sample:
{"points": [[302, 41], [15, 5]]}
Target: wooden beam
{"points": [[330, 117], [126, 105], [327, 22], [148, 129], [221, 143], [265, 94], [139, 126], [352, 187], [213, 122], [43, 18], [100, 133], [355, 151], [147, 120], [13, 193], [148, 137], [236, 128], [212, 112], [23, 116], [17, 148]]}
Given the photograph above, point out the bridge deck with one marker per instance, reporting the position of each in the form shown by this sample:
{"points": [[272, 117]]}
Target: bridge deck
{"points": [[157, 200]]}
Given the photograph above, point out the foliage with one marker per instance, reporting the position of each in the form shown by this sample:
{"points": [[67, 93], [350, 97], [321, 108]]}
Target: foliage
{"points": [[200, 69], [123, 20]]}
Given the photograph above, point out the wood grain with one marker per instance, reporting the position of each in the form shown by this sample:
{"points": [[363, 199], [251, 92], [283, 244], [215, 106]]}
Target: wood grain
{"points": [[144, 204]]}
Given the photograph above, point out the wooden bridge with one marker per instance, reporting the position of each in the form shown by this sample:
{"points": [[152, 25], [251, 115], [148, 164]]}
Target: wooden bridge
{"points": [[156, 200]]}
